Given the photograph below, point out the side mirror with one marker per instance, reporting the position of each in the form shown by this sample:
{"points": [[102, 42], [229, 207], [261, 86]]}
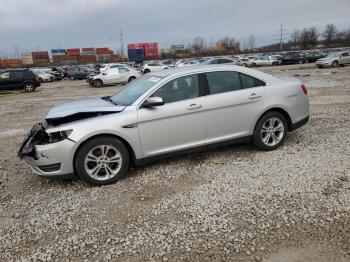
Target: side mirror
{"points": [[153, 101]]}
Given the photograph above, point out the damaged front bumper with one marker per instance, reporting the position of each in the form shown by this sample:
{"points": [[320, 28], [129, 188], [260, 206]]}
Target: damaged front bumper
{"points": [[44, 157]]}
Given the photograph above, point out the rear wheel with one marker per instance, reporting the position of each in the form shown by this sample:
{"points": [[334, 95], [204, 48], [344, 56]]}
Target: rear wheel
{"points": [[335, 64], [98, 83], [102, 161], [29, 87], [72, 77], [270, 131]]}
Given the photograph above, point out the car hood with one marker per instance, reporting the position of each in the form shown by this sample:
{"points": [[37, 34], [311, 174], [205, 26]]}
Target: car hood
{"points": [[93, 105]]}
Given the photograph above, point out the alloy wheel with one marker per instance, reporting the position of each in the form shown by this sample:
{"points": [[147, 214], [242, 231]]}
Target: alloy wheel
{"points": [[103, 162], [272, 131]]}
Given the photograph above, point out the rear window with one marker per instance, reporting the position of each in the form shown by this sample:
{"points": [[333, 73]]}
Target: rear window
{"points": [[221, 82]]}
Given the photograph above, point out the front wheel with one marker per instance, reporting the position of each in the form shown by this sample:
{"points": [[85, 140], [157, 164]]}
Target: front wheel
{"points": [[270, 131], [98, 83], [335, 64], [102, 161], [132, 78]]}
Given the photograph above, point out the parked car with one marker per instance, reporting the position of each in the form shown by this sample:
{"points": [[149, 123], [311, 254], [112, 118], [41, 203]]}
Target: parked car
{"points": [[44, 76], [153, 67], [113, 76], [79, 72], [334, 59], [218, 60], [17, 79], [263, 61], [188, 63], [244, 62], [292, 58], [165, 113]]}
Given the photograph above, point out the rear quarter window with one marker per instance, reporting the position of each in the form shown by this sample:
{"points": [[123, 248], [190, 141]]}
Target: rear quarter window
{"points": [[249, 81]]}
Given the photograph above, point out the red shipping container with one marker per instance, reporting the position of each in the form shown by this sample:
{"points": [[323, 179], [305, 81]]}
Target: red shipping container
{"points": [[135, 46], [88, 49]]}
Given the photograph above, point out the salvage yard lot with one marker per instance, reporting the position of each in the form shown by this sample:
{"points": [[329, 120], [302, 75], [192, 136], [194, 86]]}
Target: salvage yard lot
{"points": [[230, 204]]}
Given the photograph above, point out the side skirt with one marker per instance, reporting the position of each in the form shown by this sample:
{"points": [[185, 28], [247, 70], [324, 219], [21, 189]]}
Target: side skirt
{"points": [[147, 160]]}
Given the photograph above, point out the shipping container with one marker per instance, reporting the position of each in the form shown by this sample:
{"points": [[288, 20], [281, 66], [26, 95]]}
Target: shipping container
{"points": [[86, 59], [88, 51], [59, 59], [58, 52], [11, 63], [73, 51], [103, 51], [136, 55], [135, 46], [27, 58]]}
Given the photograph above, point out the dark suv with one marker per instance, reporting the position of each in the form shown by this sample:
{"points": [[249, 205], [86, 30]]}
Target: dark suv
{"points": [[16, 79]]}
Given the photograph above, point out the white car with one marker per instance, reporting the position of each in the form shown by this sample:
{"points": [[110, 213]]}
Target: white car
{"points": [[263, 61], [153, 67], [188, 63], [113, 76], [44, 76], [106, 67], [334, 59]]}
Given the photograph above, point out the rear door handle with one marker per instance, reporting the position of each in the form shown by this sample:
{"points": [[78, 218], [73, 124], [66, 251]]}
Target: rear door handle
{"points": [[194, 106], [254, 96]]}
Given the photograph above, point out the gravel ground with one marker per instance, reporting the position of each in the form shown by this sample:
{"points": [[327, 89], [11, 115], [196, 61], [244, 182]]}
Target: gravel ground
{"points": [[229, 204]]}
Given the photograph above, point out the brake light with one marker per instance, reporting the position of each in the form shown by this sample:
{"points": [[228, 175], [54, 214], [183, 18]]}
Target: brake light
{"points": [[37, 78], [303, 87]]}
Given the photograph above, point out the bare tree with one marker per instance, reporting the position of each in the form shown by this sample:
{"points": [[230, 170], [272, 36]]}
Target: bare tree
{"points": [[230, 44], [329, 34], [312, 36], [295, 36], [198, 45]]}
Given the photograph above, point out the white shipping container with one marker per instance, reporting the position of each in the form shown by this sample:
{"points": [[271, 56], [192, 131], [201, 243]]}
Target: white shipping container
{"points": [[27, 58]]}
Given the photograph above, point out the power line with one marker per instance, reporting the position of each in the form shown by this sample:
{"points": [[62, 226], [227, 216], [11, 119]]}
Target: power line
{"points": [[282, 32]]}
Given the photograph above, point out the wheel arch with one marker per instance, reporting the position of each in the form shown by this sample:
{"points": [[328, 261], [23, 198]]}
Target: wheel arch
{"points": [[132, 155], [279, 110]]}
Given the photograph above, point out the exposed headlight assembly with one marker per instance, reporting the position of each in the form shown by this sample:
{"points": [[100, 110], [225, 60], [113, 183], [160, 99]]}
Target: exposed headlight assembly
{"points": [[55, 137]]}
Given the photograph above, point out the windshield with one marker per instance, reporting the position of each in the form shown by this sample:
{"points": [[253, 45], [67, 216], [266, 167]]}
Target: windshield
{"points": [[334, 54], [132, 91]]}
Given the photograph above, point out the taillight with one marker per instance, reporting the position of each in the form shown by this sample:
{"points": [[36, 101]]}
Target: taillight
{"points": [[37, 78], [304, 89]]}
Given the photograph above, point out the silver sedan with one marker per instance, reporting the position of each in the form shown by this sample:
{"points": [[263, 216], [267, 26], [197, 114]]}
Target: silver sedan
{"points": [[165, 113]]}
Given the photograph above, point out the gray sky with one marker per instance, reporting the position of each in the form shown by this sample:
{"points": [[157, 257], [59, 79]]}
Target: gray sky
{"points": [[29, 24]]}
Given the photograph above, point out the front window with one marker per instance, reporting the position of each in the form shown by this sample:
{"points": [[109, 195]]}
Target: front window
{"points": [[182, 88], [132, 91]]}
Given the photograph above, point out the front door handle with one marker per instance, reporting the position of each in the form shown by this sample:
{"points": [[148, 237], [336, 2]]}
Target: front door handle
{"points": [[194, 106], [254, 96]]}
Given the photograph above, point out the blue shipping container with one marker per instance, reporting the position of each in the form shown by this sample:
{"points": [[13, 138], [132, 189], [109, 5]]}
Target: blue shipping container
{"points": [[136, 55], [58, 51]]}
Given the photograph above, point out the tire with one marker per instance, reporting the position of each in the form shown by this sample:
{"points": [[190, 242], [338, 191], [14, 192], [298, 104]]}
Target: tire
{"points": [[245, 65], [41, 80], [274, 63], [29, 87], [335, 64], [92, 164], [253, 65], [98, 83], [266, 137], [71, 77], [146, 71], [320, 66], [301, 61], [132, 78]]}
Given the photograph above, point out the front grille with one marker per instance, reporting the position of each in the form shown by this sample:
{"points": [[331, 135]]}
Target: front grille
{"points": [[50, 168]]}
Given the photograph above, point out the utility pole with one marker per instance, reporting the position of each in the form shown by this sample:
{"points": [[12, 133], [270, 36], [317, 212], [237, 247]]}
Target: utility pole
{"points": [[282, 32], [121, 43]]}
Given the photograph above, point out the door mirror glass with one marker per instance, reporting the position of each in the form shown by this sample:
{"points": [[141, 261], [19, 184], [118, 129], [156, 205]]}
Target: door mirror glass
{"points": [[153, 101]]}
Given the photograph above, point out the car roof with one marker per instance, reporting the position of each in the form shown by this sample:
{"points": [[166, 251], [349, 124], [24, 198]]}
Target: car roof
{"points": [[178, 71]]}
